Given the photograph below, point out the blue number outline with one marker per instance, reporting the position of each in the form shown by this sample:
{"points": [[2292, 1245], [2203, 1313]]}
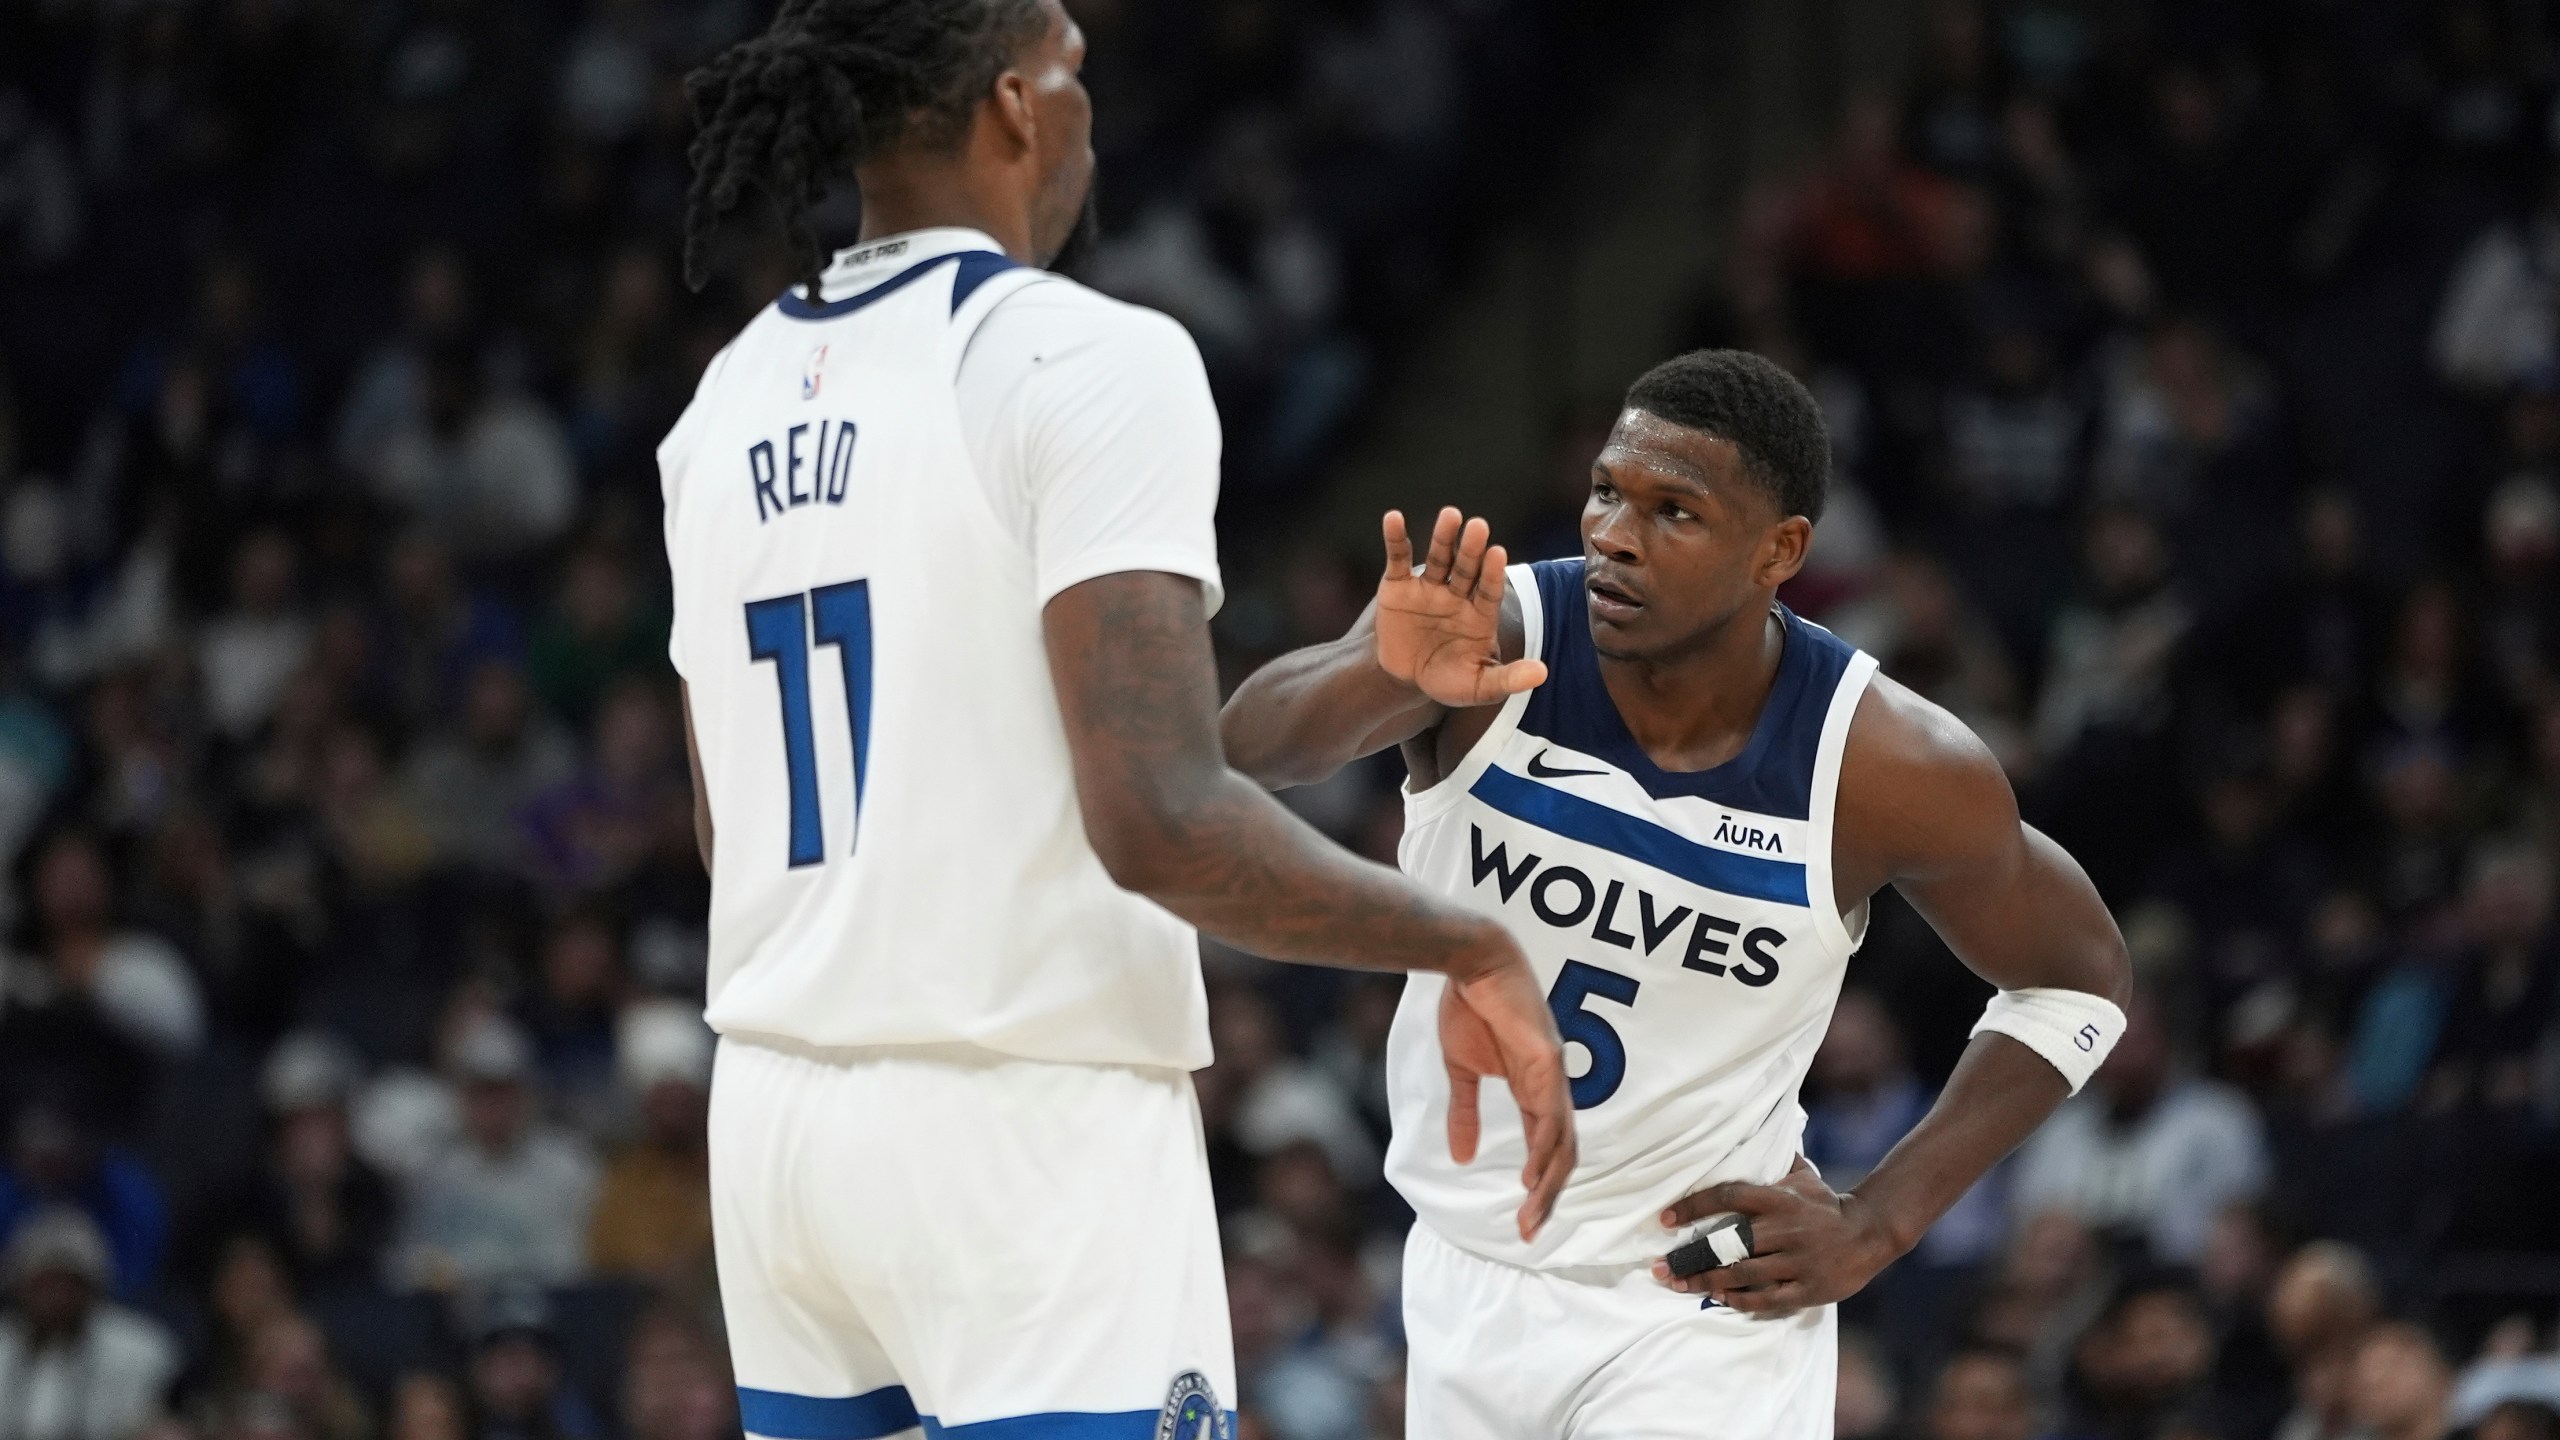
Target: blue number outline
{"points": [[778, 630]]}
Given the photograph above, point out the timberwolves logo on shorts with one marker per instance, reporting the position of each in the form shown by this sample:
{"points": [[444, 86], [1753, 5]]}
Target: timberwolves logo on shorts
{"points": [[1191, 1411]]}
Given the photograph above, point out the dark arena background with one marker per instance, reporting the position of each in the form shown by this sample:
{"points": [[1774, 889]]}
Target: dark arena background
{"points": [[2193, 373]]}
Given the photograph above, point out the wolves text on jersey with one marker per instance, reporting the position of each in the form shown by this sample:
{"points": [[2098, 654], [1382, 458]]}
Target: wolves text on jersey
{"points": [[801, 470], [1566, 897]]}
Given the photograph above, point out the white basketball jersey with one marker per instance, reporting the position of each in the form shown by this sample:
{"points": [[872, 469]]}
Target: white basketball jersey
{"points": [[899, 858], [1682, 923]]}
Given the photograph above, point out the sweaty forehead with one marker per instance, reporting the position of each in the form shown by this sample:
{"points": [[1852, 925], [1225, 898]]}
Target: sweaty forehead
{"points": [[1675, 452]]}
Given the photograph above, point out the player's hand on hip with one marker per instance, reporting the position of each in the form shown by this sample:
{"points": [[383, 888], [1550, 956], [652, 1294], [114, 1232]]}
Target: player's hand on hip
{"points": [[1810, 1245], [1440, 624], [1494, 1022]]}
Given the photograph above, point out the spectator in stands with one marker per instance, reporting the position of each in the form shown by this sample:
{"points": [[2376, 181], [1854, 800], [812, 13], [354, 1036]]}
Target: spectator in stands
{"points": [[2399, 1384], [2243, 880], [2412, 861], [1866, 1404], [579, 987], [2508, 1374], [469, 784], [325, 1211], [41, 205], [246, 1290], [434, 627], [653, 1216], [1982, 1394], [73, 1365], [289, 1363], [2324, 621], [2046, 1290], [2519, 1420], [1297, 1192], [54, 1163], [2520, 613], [512, 1196], [2016, 435], [137, 982], [518, 1389], [625, 809], [388, 397], [2146, 1150], [1264, 1311], [1351, 1053], [484, 467], [245, 655], [2506, 989], [2322, 1305], [1280, 1099], [629, 384], [1930, 638], [2144, 1364], [600, 630], [426, 1406], [2108, 654], [1317, 1386], [1861, 239], [675, 1385], [376, 843], [2499, 320]]}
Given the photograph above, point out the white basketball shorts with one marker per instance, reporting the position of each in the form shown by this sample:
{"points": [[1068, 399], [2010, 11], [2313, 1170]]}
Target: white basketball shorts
{"points": [[966, 1244], [1502, 1353]]}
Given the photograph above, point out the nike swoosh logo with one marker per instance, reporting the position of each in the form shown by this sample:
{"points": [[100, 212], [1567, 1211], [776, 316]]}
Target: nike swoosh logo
{"points": [[1543, 771]]}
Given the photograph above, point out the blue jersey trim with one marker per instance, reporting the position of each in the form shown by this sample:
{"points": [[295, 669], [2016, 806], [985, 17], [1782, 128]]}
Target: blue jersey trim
{"points": [[774, 1415], [1773, 775], [1751, 876], [779, 1416], [976, 268]]}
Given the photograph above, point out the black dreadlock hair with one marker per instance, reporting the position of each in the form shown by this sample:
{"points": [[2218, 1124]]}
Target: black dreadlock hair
{"points": [[1767, 414], [828, 84]]}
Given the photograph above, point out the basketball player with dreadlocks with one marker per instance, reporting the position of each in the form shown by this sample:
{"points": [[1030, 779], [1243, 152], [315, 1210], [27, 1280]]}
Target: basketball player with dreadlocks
{"points": [[939, 524], [1680, 795]]}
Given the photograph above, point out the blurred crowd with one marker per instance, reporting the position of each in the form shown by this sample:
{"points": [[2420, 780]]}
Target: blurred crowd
{"points": [[2194, 375]]}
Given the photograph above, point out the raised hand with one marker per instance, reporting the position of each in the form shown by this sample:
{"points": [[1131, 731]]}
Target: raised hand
{"points": [[1440, 626], [1493, 1022]]}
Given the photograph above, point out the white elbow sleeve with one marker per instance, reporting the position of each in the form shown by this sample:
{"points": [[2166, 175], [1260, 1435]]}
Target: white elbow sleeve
{"points": [[2072, 1029]]}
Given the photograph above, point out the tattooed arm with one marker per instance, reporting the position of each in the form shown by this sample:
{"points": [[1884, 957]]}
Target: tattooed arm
{"points": [[1137, 687]]}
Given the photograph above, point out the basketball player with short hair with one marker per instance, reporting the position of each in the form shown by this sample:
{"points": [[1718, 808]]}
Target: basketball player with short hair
{"points": [[1680, 795], [940, 530]]}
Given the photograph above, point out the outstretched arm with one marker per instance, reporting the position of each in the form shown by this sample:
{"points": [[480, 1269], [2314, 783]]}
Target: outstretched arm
{"points": [[1925, 807], [1430, 642], [1137, 687]]}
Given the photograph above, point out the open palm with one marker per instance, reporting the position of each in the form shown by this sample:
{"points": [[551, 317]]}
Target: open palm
{"points": [[1440, 624]]}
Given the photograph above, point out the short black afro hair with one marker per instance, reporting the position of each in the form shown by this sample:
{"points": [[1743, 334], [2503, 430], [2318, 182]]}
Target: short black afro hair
{"points": [[1768, 415]]}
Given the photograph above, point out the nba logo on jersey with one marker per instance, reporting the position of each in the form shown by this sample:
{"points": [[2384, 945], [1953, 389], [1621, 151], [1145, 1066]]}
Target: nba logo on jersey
{"points": [[1191, 1411], [813, 374]]}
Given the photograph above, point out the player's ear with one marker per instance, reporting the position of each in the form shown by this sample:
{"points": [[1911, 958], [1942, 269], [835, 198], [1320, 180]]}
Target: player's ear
{"points": [[1009, 109], [1783, 549]]}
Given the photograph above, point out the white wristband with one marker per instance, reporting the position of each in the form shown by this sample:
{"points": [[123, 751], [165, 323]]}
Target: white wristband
{"points": [[2072, 1029]]}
